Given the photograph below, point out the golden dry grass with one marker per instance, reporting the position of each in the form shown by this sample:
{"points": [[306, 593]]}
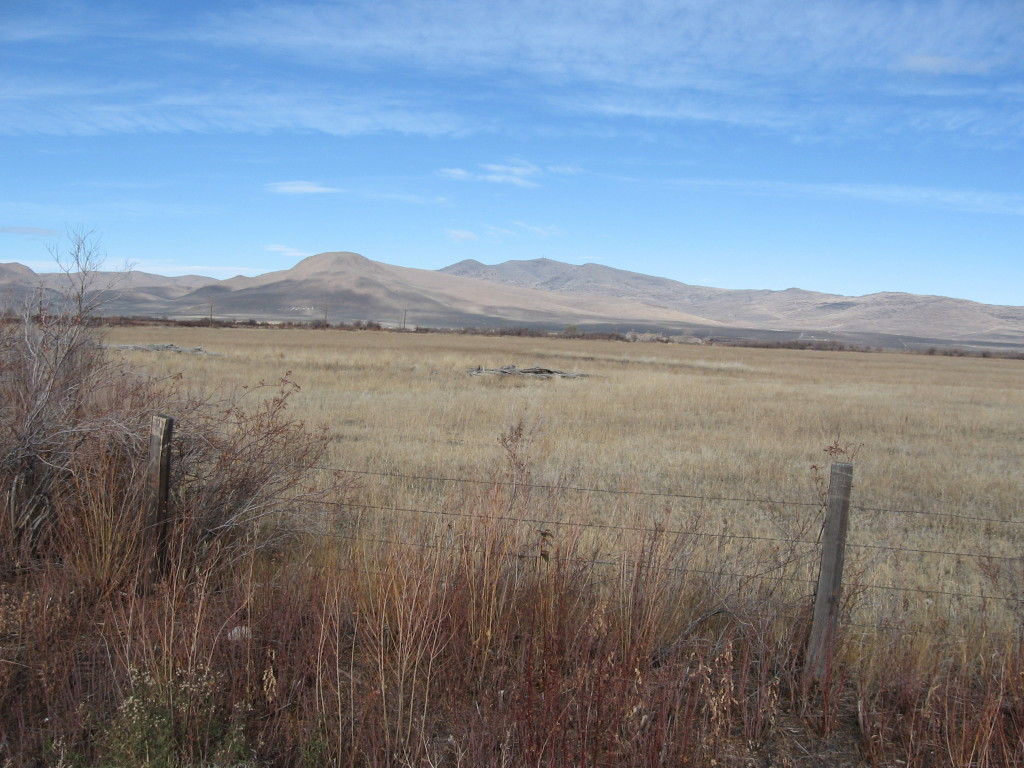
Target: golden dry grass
{"points": [[529, 617], [939, 435]]}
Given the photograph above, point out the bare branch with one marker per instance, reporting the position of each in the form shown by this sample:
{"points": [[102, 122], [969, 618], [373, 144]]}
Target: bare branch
{"points": [[87, 288]]}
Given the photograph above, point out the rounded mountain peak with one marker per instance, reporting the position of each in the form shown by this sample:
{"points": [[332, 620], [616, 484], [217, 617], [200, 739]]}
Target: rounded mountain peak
{"points": [[331, 262]]}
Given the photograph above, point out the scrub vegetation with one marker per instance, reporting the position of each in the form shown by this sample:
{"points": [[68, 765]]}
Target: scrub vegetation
{"points": [[377, 560]]}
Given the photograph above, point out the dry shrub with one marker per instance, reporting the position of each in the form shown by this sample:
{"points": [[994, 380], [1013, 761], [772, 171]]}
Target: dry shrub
{"points": [[74, 447], [48, 368], [94, 642]]}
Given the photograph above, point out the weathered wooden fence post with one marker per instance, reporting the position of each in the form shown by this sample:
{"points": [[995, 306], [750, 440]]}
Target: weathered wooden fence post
{"points": [[159, 484], [830, 575]]}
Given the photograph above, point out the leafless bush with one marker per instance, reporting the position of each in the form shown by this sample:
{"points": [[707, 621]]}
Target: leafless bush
{"points": [[80, 614], [50, 375], [73, 443]]}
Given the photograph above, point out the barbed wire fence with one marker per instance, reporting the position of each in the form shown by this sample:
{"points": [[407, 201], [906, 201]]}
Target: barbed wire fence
{"points": [[998, 578]]}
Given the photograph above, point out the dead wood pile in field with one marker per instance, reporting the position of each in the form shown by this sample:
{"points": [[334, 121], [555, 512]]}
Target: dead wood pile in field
{"points": [[156, 348], [534, 373]]}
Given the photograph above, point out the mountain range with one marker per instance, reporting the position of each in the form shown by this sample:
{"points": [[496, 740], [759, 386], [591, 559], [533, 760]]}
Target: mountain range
{"points": [[542, 293]]}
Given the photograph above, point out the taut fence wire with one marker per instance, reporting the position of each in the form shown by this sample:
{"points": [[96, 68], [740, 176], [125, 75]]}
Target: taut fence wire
{"points": [[794, 555]]}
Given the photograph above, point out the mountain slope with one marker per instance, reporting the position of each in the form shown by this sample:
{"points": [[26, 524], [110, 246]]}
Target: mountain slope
{"points": [[792, 309], [347, 286]]}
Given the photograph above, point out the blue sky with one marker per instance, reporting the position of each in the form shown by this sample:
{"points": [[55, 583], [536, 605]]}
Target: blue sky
{"points": [[845, 146]]}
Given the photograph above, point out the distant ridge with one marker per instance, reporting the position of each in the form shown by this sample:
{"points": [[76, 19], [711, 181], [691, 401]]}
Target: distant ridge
{"points": [[344, 287], [789, 310]]}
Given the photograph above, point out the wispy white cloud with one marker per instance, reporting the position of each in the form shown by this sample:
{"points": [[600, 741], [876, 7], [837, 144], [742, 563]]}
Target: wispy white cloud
{"points": [[710, 57], [300, 188], [30, 231], [286, 250], [100, 211], [975, 201], [459, 174], [778, 64], [564, 170], [518, 174], [408, 197], [946, 65], [76, 106], [969, 200], [757, 109], [71, 21], [460, 235], [545, 231], [494, 231], [520, 228]]}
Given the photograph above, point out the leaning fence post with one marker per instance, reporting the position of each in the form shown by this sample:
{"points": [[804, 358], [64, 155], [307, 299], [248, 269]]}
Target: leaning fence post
{"points": [[830, 575], [158, 487]]}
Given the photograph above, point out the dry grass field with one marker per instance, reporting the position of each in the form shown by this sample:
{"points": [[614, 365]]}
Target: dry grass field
{"points": [[931, 434], [936, 433], [455, 570]]}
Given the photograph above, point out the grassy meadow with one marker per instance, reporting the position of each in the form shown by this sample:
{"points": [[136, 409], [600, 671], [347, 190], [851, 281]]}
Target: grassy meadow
{"points": [[936, 433], [400, 564], [940, 435]]}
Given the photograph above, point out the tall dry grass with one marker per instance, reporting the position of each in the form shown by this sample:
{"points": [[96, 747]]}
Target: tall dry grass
{"points": [[936, 435], [941, 432], [317, 618]]}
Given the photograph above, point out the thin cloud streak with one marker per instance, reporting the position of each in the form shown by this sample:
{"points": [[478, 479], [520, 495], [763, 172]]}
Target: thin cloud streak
{"points": [[564, 170], [694, 53], [517, 174], [494, 231], [746, 62], [547, 231], [30, 231], [521, 227], [47, 109], [663, 43], [972, 201], [91, 212], [286, 250], [300, 188], [946, 65], [411, 198]]}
